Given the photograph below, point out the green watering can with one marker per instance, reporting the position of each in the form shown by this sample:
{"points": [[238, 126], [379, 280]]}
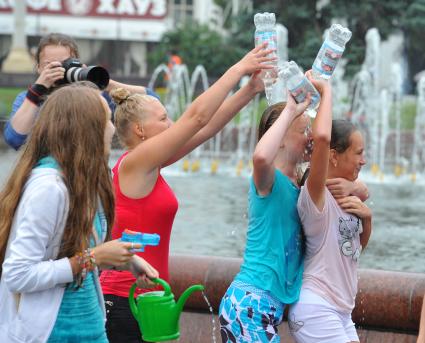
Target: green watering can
{"points": [[157, 313]]}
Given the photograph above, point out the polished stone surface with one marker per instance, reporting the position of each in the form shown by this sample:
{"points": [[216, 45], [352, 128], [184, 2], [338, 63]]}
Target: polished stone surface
{"points": [[388, 304]]}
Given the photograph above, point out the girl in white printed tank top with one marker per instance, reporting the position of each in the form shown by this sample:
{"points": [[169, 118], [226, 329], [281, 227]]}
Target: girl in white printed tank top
{"points": [[336, 229]]}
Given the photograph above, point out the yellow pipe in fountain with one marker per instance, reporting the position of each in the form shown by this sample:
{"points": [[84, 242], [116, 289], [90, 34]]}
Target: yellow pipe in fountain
{"points": [[375, 169], [196, 165], [214, 167], [186, 164], [398, 170], [239, 167]]}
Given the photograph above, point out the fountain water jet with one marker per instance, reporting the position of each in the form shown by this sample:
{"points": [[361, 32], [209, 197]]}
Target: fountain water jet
{"points": [[418, 155]]}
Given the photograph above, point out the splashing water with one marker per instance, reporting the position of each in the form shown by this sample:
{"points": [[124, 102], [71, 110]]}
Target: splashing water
{"points": [[360, 295], [214, 339], [308, 133]]}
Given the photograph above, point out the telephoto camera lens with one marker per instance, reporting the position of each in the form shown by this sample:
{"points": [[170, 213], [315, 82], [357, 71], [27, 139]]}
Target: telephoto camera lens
{"points": [[95, 74], [74, 71]]}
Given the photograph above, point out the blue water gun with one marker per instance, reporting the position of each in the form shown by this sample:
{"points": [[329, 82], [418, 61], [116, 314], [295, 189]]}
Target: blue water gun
{"points": [[140, 238]]}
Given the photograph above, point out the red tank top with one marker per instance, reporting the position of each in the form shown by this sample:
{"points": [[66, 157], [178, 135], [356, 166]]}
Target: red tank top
{"points": [[153, 213]]}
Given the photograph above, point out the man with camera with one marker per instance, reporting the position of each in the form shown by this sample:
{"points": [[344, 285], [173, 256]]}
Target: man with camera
{"points": [[56, 63]]}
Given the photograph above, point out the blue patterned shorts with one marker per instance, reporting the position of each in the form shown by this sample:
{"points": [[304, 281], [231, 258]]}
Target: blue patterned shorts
{"points": [[249, 314]]}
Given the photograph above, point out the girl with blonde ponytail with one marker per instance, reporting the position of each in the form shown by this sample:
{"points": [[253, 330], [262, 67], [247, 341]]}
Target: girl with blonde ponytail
{"points": [[144, 201]]}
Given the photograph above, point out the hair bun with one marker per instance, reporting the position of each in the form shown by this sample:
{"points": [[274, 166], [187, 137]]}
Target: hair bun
{"points": [[119, 95]]}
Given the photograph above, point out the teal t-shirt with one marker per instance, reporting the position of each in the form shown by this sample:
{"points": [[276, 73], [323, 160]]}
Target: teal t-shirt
{"points": [[80, 318], [273, 259]]}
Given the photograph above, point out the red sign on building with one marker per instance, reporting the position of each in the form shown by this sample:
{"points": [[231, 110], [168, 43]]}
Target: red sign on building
{"points": [[134, 9]]}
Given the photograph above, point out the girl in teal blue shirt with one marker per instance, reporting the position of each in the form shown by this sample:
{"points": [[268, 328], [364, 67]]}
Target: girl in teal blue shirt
{"points": [[271, 272]]}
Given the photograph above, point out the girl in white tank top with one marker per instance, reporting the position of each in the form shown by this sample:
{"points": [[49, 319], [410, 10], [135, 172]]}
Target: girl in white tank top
{"points": [[336, 229]]}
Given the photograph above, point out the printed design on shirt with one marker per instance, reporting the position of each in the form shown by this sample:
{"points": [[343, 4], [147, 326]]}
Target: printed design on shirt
{"points": [[348, 236], [294, 325]]}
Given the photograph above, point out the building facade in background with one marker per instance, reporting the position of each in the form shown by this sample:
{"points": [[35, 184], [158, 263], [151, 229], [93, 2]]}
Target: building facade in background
{"points": [[115, 33]]}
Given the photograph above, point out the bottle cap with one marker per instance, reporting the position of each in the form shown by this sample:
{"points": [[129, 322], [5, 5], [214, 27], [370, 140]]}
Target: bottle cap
{"points": [[264, 20], [340, 33]]}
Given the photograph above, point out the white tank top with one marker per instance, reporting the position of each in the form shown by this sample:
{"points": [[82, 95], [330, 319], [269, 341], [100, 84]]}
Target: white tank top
{"points": [[332, 250]]}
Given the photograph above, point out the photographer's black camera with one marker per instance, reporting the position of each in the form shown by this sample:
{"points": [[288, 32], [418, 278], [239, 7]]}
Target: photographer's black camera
{"points": [[74, 71]]}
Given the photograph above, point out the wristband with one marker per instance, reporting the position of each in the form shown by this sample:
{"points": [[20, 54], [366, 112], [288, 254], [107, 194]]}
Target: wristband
{"points": [[87, 262], [36, 93]]}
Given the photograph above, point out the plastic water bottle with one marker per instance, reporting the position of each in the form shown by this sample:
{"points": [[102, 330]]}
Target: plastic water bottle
{"points": [[265, 32], [299, 86], [331, 51]]}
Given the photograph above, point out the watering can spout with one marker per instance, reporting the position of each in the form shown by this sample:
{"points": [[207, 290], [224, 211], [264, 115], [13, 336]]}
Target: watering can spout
{"points": [[183, 298]]}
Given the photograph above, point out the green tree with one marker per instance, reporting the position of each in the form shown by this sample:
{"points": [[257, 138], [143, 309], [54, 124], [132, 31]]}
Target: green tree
{"points": [[413, 24], [361, 16], [306, 21], [197, 44]]}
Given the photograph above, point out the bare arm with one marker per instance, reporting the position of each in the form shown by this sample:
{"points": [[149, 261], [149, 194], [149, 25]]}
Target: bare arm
{"points": [[109, 254], [131, 88], [340, 187], [322, 127], [354, 205], [157, 150], [23, 120], [143, 271], [230, 107], [269, 145], [367, 231], [360, 190], [119, 255]]}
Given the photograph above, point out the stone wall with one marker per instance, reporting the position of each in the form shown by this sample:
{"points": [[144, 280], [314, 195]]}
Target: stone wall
{"points": [[388, 304]]}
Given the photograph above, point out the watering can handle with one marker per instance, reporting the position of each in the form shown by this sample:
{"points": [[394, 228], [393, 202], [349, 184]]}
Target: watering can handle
{"points": [[131, 300], [164, 284]]}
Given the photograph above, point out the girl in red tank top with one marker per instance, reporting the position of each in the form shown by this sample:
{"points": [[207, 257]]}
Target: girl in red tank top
{"points": [[144, 201], [153, 213]]}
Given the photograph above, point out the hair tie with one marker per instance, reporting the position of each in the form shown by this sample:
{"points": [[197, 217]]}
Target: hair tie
{"points": [[122, 100]]}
